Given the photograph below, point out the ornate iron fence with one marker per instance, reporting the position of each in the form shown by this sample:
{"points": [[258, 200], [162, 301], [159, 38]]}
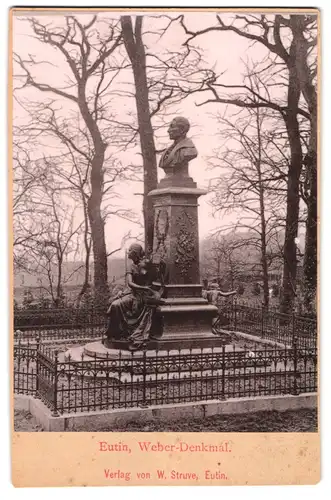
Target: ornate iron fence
{"points": [[157, 378], [233, 315], [59, 324], [25, 368], [267, 323]]}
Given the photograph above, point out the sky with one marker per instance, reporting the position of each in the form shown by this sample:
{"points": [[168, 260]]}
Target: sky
{"points": [[226, 52]]}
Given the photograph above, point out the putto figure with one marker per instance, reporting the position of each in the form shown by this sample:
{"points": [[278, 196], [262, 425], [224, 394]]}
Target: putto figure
{"points": [[131, 315], [175, 159]]}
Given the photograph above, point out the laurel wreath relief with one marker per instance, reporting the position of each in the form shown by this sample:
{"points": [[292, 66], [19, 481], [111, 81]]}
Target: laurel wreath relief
{"points": [[161, 228], [185, 254]]}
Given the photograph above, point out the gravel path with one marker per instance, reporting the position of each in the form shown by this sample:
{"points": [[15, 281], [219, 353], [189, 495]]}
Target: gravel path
{"points": [[267, 421]]}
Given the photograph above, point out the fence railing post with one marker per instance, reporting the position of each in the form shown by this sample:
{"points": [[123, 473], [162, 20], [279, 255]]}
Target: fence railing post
{"points": [[19, 353], [37, 364], [295, 366], [17, 357], [144, 374], [222, 395], [55, 412], [294, 335], [92, 320], [262, 321]]}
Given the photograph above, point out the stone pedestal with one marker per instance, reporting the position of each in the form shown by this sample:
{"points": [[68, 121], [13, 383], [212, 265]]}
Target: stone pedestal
{"points": [[186, 316], [176, 237]]}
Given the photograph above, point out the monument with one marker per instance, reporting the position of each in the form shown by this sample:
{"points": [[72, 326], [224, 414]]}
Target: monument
{"points": [[186, 316], [163, 310]]}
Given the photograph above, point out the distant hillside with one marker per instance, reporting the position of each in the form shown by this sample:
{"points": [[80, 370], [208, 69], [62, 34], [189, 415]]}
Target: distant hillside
{"points": [[116, 268], [73, 274]]}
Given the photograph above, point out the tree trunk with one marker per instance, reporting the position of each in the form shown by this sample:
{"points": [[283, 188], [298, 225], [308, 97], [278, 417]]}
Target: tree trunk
{"points": [[135, 48], [292, 216], [293, 183], [310, 256], [97, 224], [98, 232], [59, 281], [264, 263], [310, 95], [87, 245]]}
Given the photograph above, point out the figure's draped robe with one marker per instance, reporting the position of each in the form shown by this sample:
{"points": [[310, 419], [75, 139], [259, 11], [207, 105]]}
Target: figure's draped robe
{"points": [[132, 317]]}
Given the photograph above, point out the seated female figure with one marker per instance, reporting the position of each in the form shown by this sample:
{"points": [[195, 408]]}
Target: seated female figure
{"points": [[132, 313]]}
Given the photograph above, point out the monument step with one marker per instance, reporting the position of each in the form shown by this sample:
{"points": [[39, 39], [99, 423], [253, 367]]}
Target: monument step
{"points": [[185, 301], [189, 307], [98, 351], [183, 291]]}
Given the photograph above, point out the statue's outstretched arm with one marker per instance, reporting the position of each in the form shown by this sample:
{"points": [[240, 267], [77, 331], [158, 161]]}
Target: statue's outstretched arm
{"points": [[227, 294]]}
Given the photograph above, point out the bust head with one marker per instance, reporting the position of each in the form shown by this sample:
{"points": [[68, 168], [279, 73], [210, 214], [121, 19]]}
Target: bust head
{"points": [[178, 128]]}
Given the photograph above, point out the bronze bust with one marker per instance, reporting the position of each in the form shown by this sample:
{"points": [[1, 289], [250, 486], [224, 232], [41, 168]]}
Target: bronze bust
{"points": [[175, 159]]}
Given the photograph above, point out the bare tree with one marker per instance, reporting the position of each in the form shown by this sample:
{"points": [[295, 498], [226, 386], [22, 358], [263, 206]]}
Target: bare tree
{"points": [[29, 206], [158, 81], [306, 65], [49, 251], [73, 168], [282, 36], [86, 51], [252, 182], [136, 52], [229, 258]]}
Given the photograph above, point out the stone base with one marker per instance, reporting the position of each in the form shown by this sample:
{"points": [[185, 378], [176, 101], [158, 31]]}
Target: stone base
{"points": [[176, 180], [98, 350], [185, 323], [187, 316], [174, 342], [94, 421]]}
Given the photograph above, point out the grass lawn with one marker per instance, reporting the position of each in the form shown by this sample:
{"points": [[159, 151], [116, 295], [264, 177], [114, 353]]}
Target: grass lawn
{"points": [[304, 420]]}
